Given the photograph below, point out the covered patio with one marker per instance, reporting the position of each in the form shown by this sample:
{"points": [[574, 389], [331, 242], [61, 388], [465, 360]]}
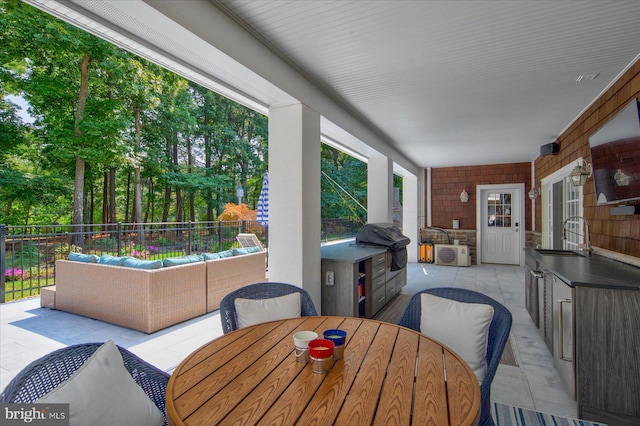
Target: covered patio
{"points": [[29, 332], [205, 44]]}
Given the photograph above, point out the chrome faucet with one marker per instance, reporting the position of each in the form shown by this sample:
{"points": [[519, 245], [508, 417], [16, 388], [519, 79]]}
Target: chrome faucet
{"points": [[587, 240]]}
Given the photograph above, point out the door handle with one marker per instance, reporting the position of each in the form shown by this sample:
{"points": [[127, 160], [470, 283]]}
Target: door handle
{"points": [[536, 274], [563, 357]]}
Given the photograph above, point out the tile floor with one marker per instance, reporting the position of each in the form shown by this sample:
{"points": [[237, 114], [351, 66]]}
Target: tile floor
{"points": [[28, 332]]}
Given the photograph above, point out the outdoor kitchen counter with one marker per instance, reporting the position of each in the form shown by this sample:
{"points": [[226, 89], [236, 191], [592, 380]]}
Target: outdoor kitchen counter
{"points": [[588, 311], [593, 271], [350, 252]]}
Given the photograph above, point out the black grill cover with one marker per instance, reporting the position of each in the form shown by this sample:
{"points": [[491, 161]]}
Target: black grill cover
{"points": [[387, 235]]}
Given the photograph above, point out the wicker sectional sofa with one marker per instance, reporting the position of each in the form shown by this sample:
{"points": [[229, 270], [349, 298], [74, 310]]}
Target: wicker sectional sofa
{"points": [[231, 273], [150, 300]]}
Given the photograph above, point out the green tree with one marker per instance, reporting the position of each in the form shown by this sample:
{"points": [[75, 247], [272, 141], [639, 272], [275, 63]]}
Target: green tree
{"points": [[67, 87], [343, 184], [109, 123]]}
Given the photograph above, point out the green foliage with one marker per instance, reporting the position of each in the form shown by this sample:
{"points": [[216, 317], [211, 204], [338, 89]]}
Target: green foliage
{"points": [[191, 146], [26, 255], [62, 250], [12, 131], [346, 177]]}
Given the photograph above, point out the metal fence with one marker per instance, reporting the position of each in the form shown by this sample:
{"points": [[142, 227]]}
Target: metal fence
{"points": [[28, 253]]}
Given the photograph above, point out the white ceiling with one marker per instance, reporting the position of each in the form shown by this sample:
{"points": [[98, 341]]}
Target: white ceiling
{"points": [[455, 82], [447, 83]]}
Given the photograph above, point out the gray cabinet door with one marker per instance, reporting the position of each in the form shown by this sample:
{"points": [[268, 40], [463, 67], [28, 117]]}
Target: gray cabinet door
{"points": [[607, 355], [563, 354]]}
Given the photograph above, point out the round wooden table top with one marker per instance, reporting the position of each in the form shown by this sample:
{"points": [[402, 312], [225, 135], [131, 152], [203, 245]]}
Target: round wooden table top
{"points": [[389, 375]]}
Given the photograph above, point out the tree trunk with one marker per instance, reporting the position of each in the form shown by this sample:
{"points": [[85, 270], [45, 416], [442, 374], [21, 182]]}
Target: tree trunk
{"points": [[128, 197], [26, 219], [192, 201], [178, 192], [137, 204], [150, 203], [178, 205], [207, 165], [112, 195], [78, 189], [105, 200], [166, 203], [91, 204]]}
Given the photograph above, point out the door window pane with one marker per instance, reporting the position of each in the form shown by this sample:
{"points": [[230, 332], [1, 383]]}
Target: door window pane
{"points": [[499, 210], [573, 232]]}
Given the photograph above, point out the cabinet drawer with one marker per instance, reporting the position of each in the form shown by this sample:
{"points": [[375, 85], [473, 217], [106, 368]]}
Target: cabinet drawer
{"points": [[379, 271], [378, 301], [378, 281], [379, 264], [401, 279], [379, 259], [392, 288]]}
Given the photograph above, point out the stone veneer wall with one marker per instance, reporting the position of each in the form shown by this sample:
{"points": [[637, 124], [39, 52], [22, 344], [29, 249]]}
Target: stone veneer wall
{"points": [[533, 239], [464, 236], [468, 238]]}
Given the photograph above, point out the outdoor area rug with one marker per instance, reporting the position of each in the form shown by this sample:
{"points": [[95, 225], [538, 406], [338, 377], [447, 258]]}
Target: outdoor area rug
{"points": [[507, 415], [394, 309]]}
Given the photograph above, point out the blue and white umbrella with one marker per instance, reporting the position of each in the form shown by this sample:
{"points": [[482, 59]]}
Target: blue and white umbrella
{"points": [[263, 202]]}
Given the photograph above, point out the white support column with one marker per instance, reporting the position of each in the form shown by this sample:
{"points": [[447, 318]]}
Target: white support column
{"points": [[294, 198], [410, 209], [379, 189]]}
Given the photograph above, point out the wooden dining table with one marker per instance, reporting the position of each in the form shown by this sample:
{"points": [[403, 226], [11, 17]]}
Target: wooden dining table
{"points": [[389, 375]]}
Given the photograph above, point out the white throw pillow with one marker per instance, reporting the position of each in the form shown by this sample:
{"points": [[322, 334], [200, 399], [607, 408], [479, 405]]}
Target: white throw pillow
{"points": [[463, 327], [102, 392], [256, 311]]}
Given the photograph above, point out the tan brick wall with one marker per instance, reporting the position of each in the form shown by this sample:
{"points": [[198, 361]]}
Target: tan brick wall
{"points": [[617, 233]]}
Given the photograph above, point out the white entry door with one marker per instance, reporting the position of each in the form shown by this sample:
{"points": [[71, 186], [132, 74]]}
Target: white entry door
{"points": [[501, 223]]}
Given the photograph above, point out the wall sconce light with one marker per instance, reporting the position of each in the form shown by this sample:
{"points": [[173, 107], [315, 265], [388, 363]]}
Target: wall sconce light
{"points": [[580, 174], [534, 193], [464, 196], [621, 178]]}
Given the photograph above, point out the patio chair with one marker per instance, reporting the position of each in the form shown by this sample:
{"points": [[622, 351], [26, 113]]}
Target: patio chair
{"points": [[261, 291], [47, 372], [499, 329]]}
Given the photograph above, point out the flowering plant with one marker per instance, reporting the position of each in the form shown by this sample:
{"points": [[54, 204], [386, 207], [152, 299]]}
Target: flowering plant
{"points": [[153, 248], [140, 253], [13, 274]]}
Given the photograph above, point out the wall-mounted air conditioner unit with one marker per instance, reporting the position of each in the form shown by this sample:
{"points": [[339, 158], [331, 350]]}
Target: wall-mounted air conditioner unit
{"points": [[448, 254]]}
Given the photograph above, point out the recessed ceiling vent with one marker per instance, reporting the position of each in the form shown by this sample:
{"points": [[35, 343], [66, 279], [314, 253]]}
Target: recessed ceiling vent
{"points": [[587, 77]]}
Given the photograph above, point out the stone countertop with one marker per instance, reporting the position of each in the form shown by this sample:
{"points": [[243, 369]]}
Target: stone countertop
{"points": [[593, 271], [349, 252]]}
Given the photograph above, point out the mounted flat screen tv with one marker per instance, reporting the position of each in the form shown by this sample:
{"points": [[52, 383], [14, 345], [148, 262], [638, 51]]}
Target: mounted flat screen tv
{"points": [[615, 157]]}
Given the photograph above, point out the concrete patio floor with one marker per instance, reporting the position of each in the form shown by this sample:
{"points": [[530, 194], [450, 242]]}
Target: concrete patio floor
{"points": [[28, 332]]}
